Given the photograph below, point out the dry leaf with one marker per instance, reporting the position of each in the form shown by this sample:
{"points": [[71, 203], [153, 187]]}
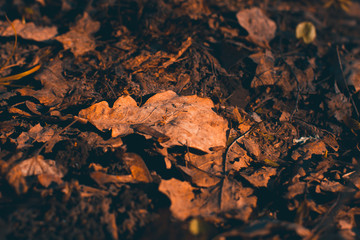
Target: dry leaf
{"points": [[200, 178], [267, 74], [182, 198], [55, 86], [102, 178], [228, 197], [186, 120], [296, 187], [95, 141], [46, 179], [137, 166], [261, 29], [27, 31], [306, 31], [79, 39], [260, 177], [33, 166], [306, 151], [36, 133], [37, 165]]}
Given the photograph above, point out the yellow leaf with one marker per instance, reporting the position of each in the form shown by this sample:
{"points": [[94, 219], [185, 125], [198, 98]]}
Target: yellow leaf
{"points": [[306, 31]]}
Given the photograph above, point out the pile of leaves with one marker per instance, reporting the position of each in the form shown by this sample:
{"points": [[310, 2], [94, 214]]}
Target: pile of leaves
{"points": [[179, 119]]}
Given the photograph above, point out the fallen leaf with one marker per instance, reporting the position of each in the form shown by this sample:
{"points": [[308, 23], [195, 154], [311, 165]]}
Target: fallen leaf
{"points": [[46, 179], [102, 178], [306, 31], [296, 188], [137, 166], [182, 198], [27, 31], [37, 165], [268, 74], [228, 197], [55, 86], [32, 166], [307, 150], [260, 177], [261, 29], [79, 39], [186, 120], [331, 186], [36, 133]]}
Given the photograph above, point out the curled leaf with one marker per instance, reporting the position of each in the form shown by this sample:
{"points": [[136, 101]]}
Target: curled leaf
{"points": [[306, 31]]}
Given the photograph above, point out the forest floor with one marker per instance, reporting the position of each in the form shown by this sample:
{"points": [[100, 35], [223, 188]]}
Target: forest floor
{"points": [[156, 119]]}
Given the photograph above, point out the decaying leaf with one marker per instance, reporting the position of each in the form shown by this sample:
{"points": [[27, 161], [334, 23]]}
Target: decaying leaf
{"points": [[287, 75], [186, 120], [36, 133], [229, 196], [182, 198], [204, 170], [28, 30], [55, 86], [37, 165], [261, 29], [79, 39], [33, 166], [306, 151], [102, 178], [297, 187], [339, 106], [260, 177], [46, 179], [268, 74], [137, 166]]}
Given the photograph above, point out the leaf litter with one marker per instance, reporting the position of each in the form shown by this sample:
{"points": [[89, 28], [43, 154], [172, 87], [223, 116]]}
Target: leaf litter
{"points": [[134, 114]]}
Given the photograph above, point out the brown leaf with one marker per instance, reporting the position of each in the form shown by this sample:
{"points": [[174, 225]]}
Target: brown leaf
{"points": [[36, 133], [296, 187], [102, 178], [339, 106], [137, 166], [79, 39], [46, 179], [269, 74], [228, 197], [261, 29], [33, 166], [200, 178], [260, 177], [28, 31], [186, 120], [55, 86], [182, 198], [204, 170], [37, 165], [306, 151]]}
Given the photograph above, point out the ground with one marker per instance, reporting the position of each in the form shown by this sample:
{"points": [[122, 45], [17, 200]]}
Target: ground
{"points": [[179, 119]]}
